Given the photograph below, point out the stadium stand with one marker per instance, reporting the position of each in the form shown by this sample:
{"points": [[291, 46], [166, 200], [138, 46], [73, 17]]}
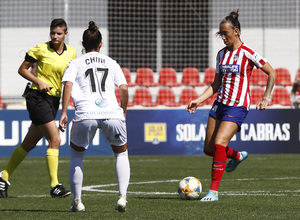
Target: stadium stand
{"points": [[297, 77], [143, 96], [168, 77], [258, 77], [166, 97], [281, 96], [187, 95], [145, 77], [2, 105], [191, 77], [283, 77], [127, 75], [257, 93], [209, 75]]}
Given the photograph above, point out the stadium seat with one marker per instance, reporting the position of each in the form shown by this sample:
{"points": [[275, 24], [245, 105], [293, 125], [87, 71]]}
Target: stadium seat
{"points": [[187, 95], [142, 96], [209, 75], [145, 77], [283, 77], [127, 75], [117, 93], [191, 77], [71, 103], [281, 96], [167, 77], [2, 105], [297, 77], [258, 77], [257, 93], [210, 100], [166, 96]]}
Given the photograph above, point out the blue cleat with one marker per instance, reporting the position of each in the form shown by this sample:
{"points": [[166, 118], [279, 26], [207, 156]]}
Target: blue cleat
{"points": [[232, 164], [211, 196]]}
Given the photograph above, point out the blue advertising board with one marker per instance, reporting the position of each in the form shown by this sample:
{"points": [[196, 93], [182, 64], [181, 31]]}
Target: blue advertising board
{"points": [[169, 132]]}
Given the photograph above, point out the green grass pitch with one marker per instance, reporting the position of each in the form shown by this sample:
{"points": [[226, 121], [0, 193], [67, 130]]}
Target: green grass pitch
{"points": [[262, 187]]}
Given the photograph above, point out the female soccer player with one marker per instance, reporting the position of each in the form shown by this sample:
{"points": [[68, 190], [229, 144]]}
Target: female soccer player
{"points": [[42, 103], [233, 69], [90, 80]]}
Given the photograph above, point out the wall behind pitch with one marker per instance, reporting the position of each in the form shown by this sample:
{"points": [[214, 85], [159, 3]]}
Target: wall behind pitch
{"points": [[169, 132]]}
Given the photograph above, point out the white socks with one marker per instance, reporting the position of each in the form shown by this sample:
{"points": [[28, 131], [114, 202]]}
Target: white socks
{"points": [[122, 171], [76, 172]]}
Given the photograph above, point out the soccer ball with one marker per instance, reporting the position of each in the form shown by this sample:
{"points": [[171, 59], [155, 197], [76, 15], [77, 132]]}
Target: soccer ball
{"points": [[189, 188]]}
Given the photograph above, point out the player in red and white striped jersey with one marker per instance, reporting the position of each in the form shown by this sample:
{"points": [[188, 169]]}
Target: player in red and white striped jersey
{"points": [[234, 66]]}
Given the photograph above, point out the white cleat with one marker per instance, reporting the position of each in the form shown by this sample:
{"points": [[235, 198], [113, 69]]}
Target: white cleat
{"points": [[211, 196], [77, 206], [121, 204]]}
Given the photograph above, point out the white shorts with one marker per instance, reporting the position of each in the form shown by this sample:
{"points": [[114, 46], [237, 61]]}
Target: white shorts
{"points": [[114, 131]]}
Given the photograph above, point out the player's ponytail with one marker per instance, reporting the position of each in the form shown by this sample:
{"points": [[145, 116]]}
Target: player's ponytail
{"points": [[91, 37], [232, 18]]}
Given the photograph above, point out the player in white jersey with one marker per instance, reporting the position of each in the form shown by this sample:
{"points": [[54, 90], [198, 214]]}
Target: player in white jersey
{"points": [[234, 66], [90, 80]]}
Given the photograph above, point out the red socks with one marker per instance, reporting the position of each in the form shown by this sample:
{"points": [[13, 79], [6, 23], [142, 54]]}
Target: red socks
{"points": [[218, 166], [232, 154]]}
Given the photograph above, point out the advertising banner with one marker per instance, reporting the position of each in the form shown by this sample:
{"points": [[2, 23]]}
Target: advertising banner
{"points": [[169, 132]]}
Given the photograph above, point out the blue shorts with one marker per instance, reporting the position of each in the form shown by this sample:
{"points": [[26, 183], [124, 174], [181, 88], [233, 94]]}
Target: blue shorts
{"points": [[228, 113]]}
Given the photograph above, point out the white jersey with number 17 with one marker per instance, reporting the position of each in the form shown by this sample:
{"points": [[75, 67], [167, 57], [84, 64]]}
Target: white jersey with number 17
{"points": [[94, 77]]}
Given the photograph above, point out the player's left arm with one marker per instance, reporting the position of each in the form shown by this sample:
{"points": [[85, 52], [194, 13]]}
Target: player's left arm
{"points": [[65, 101], [124, 97], [268, 69]]}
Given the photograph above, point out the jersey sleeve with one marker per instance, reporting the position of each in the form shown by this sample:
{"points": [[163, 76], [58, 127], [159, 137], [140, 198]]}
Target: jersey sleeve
{"points": [[34, 54], [258, 60], [70, 72]]}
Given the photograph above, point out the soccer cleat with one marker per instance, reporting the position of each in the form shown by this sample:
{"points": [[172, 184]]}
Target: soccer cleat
{"points": [[59, 191], [121, 204], [232, 164], [211, 196], [77, 206], [3, 187]]}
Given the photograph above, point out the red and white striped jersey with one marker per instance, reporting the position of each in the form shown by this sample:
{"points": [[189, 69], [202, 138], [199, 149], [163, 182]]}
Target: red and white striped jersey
{"points": [[236, 68]]}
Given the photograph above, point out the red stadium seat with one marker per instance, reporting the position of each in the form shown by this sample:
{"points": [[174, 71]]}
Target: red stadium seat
{"points": [[187, 95], [210, 100], [166, 96], [257, 93], [258, 77], [281, 96], [71, 103], [167, 77], [145, 77], [127, 75], [297, 77], [283, 77], [142, 96], [2, 105], [209, 75], [191, 77]]}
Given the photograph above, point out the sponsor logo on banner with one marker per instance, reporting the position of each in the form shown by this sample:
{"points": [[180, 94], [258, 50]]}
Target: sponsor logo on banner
{"points": [[155, 132]]}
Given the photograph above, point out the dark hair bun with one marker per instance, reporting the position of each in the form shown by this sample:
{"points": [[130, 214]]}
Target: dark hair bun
{"points": [[235, 14], [92, 26]]}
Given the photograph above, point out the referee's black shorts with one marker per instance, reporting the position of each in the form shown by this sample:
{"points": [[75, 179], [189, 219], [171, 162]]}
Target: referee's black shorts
{"points": [[42, 107]]}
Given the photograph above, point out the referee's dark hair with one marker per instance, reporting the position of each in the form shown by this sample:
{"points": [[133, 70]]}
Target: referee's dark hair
{"points": [[91, 37], [58, 22]]}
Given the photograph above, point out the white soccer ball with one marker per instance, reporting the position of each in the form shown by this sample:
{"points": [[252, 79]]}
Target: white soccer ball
{"points": [[189, 188]]}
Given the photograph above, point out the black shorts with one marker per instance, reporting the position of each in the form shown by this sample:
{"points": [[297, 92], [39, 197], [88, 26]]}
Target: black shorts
{"points": [[42, 107]]}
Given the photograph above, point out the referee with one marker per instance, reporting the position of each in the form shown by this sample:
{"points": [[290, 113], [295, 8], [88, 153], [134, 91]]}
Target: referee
{"points": [[42, 101]]}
